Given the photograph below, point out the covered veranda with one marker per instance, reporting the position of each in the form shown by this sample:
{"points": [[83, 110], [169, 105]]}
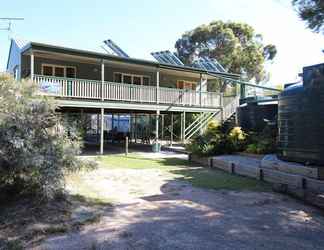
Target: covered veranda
{"points": [[105, 130]]}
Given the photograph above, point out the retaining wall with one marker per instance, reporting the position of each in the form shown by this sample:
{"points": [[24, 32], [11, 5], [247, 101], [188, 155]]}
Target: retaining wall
{"points": [[306, 188]]}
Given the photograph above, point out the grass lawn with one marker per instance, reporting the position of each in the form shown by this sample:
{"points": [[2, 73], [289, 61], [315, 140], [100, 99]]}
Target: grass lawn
{"points": [[183, 170]]}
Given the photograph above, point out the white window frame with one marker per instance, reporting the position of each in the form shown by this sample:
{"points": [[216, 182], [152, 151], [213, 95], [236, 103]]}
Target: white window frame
{"points": [[58, 66], [132, 78]]}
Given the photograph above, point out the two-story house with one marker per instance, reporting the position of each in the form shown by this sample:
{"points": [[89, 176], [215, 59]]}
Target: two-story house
{"points": [[117, 93]]}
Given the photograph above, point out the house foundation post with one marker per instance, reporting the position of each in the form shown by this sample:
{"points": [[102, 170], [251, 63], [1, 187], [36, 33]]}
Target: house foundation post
{"points": [[162, 127], [201, 120], [171, 134], [183, 126], [221, 100], [102, 132], [157, 126], [135, 128], [200, 90], [131, 127]]}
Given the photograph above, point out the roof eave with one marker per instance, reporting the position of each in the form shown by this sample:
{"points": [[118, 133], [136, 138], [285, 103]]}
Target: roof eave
{"points": [[9, 54], [53, 48]]}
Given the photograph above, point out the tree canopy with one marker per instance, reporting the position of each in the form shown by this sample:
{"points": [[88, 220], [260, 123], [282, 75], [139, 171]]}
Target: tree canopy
{"points": [[312, 12], [235, 45]]}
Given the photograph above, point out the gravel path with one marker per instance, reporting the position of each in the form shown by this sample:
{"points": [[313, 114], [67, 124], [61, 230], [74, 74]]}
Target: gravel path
{"points": [[155, 212]]}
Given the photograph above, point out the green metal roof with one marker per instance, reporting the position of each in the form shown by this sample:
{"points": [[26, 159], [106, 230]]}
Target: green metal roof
{"points": [[97, 55]]}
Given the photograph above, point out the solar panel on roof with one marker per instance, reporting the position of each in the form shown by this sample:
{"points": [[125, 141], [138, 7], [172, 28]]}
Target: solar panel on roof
{"points": [[159, 57], [116, 49], [167, 57], [174, 57], [208, 64]]}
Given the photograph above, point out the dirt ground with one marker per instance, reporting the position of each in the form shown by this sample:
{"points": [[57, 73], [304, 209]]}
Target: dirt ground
{"points": [[154, 211]]}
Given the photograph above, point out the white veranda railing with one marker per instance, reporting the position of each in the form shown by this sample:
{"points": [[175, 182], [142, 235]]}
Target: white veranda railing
{"points": [[92, 89]]}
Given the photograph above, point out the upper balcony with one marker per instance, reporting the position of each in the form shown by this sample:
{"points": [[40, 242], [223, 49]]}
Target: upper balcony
{"points": [[103, 91], [85, 79]]}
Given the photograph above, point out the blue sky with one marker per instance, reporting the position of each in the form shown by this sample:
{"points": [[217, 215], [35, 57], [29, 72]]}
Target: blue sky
{"points": [[141, 27]]}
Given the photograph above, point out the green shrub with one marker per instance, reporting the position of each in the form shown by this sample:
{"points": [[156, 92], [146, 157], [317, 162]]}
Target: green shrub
{"points": [[238, 139], [214, 141], [34, 153], [252, 148], [264, 142]]}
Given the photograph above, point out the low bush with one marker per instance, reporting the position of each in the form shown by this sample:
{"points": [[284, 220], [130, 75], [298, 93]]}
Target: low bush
{"points": [[34, 153], [264, 142], [214, 141]]}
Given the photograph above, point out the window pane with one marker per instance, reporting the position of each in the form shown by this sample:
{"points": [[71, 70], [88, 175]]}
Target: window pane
{"points": [[59, 72], [137, 80], [47, 70], [146, 80], [127, 79], [117, 77], [70, 72]]}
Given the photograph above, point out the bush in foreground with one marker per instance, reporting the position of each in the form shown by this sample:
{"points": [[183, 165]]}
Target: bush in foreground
{"points": [[264, 142], [34, 153], [216, 141]]}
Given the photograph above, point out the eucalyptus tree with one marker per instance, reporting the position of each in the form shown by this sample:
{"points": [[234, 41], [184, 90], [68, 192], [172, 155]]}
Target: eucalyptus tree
{"points": [[235, 45], [312, 12]]}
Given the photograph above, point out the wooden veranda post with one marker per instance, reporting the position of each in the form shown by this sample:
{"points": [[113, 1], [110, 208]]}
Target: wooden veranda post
{"points": [[102, 109], [102, 79], [158, 86], [32, 59]]}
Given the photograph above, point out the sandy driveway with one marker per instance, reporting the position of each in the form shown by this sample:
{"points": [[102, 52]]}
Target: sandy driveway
{"points": [[155, 212]]}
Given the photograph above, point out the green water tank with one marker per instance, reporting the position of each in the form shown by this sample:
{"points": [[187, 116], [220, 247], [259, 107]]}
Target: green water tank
{"points": [[301, 119]]}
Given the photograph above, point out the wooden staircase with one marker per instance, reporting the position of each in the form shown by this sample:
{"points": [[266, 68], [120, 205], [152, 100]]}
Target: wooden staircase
{"points": [[227, 115]]}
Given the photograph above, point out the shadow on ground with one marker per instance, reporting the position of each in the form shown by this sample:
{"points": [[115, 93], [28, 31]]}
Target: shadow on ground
{"points": [[28, 221], [185, 217], [115, 148]]}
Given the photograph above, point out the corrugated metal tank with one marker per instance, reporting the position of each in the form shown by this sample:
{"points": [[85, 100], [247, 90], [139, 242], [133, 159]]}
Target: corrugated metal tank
{"points": [[301, 119]]}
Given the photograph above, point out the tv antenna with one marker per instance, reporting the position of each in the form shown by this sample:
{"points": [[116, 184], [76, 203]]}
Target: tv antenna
{"points": [[9, 21]]}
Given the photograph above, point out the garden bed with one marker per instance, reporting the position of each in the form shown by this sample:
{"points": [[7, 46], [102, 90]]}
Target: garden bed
{"points": [[304, 187]]}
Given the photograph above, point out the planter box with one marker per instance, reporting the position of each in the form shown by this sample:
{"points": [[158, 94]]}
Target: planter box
{"points": [[250, 155], [272, 162], [294, 183]]}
